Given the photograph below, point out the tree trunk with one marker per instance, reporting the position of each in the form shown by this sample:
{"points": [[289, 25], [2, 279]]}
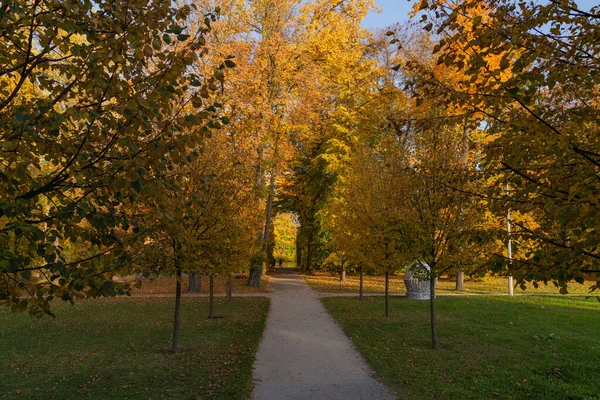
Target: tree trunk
{"points": [[434, 338], [309, 255], [211, 301], [360, 286], [229, 287], [270, 249], [343, 274], [299, 251], [177, 311], [460, 280], [194, 283], [387, 294], [256, 272], [255, 275]]}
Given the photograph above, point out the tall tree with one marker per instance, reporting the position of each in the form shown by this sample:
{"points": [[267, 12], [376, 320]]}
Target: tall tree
{"points": [[293, 58]]}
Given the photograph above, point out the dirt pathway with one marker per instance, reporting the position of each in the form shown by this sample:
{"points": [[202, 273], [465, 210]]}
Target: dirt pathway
{"points": [[304, 354]]}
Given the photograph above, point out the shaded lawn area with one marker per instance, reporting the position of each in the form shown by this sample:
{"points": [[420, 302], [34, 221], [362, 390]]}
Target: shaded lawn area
{"points": [[166, 285], [528, 347], [324, 282], [118, 349]]}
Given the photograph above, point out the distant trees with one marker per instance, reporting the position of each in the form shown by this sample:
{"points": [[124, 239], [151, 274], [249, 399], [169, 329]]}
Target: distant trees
{"points": [[286, 230]]}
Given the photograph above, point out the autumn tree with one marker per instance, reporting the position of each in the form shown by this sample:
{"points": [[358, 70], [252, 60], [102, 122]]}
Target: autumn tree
{"points": [[91, 102], [292, 58], [440, 220], [539, 106], [367, 219], [335, 68], [205, 215]]}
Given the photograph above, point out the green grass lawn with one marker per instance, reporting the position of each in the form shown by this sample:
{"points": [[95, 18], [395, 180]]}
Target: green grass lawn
{"points": [[491, 347], [119, 349]]}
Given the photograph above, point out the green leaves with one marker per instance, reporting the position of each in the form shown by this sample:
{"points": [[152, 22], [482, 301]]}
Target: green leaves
{"points": [[91, 131]]}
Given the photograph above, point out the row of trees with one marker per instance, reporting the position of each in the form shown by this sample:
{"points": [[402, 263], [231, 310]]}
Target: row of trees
{"points": [[117, 151], [505, 95], [96, 102], [129, 146]]}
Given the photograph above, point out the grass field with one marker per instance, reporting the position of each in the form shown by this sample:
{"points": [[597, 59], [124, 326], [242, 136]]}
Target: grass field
{"points": [[166, 285], [119, 349], [324, 282], [528, 347]]}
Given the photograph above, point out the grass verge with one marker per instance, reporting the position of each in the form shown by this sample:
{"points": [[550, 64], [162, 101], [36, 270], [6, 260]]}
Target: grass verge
{"points": [[118, 349], [324, 282], [526, 347]]}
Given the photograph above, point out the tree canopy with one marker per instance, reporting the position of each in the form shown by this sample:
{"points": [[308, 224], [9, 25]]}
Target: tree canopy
{"points": [[163, 138]]}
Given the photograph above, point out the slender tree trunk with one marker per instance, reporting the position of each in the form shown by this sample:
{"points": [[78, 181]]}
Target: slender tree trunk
{"points": [[387, 294], [177, 310], [509, 247], [309, 254], [194, 283], [460, 280], [211, 301], [460, 276], [434, 338], [255, 266], [360, 286], [299, 251], [229, 287], [343, 274]]}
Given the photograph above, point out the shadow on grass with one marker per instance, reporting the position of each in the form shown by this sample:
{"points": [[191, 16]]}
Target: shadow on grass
{"points": [[491, 347]]}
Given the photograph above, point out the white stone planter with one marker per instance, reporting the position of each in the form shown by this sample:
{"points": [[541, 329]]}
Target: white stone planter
{"points": [[417, 285]]}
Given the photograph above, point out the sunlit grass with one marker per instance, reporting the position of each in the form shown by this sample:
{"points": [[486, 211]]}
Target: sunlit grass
{"points": [[528, 347], [325, 282], [119, 349], [166, 285]]}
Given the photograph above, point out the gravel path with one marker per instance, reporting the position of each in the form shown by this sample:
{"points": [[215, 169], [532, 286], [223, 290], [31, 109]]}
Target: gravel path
{"points": [[305, 355]]}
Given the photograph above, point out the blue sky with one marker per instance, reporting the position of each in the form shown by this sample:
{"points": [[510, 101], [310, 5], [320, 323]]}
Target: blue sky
{"points": [[397, 11], [393, 11]]}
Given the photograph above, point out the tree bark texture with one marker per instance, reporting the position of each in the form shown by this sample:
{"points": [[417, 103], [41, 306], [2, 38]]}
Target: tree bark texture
{"points": [[460, 280], [195, 283], [255, 275], [256, 272]]}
